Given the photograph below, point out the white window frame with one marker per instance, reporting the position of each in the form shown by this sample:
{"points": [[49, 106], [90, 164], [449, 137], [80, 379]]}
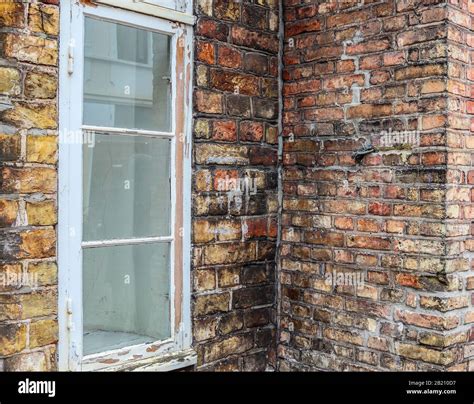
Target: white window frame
{"points": [[173, 10], [70, 245]]}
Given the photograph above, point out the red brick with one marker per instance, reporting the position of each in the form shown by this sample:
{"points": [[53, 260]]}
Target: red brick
{"points": [[292, 29], [224, 131], [251, 131], [229, 57], [205, 52]]}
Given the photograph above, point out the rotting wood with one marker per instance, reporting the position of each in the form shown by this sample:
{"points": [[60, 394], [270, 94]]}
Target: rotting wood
{"points": [[169, 362], [180, 142], [88, 3]]}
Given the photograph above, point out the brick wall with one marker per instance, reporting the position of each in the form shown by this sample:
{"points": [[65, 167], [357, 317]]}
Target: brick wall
{"points": [[235, 149], [394, 225], [28, 157], [460, 178]]}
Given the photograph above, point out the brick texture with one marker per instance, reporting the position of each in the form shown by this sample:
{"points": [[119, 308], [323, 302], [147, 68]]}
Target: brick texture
{"points": [[28, 157], [235, 200], [375, 255], [460, 159]]}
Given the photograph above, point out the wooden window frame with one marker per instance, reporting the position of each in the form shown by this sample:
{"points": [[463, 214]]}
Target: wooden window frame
{"points": [[173, 10], [70, 243]]}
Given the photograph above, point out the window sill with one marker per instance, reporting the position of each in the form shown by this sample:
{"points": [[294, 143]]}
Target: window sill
{"points": [[164, 363]]}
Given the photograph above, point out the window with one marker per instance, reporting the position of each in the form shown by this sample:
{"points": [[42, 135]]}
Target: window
{"points": [[124, 188]]}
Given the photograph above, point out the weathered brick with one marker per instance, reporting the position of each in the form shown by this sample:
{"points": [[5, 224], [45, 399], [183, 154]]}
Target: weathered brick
{"points": [[255, 296], [205, 52], [425, 354], [45, 272], [204, 280], [28, 180], [254, 39], [370, 111], [40, 86], [41, 149], [39, 303], [369, 47], [228, 277], [413, 72], [343, 336], [421, 35], [221, 154], [12, 14], [31, 362], [43, 332], [10, 81], [300, 27], [13, 338], [234, 82], [239, 105], [229, 57], [231, 322], [202, 76], [214, 303], [44, 18], [226, 10], [204, 328], [31, 49], [9, 147], [9, 212], [256, 63], [212, 29], [232, 345], [224, 131], [208, 102], [427, 320], [29, 116], [251, 131]]}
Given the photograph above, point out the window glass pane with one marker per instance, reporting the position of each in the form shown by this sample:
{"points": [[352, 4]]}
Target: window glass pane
{"points": [[126, 294], [126, 77], [126, 187], [133, 44]]}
